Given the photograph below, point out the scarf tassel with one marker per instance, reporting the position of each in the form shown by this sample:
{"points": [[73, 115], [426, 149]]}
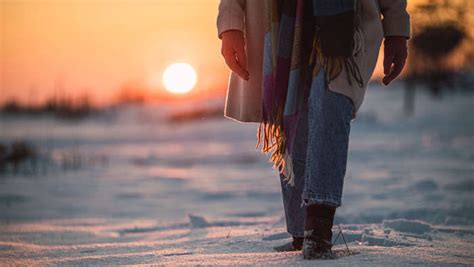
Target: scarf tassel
{"points": [[271, 132], [274, 138]]}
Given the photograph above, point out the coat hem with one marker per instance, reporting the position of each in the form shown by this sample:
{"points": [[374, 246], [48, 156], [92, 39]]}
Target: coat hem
{"points": [[249, 120]]}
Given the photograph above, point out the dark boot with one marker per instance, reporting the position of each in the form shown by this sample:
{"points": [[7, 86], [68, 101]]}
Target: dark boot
{"points": [[296, 244], [317, 242]]}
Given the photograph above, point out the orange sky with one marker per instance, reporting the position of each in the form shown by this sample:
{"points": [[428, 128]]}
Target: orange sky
{"points": [[95, 46]]}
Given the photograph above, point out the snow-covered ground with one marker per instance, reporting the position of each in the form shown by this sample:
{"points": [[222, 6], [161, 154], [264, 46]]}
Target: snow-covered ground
{"points": [[126, 187]]}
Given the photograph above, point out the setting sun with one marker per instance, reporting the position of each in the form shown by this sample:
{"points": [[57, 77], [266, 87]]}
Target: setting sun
{"points": [[179, 78]]}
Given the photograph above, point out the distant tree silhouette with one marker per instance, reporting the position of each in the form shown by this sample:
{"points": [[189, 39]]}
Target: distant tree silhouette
{"points": [[440, 50]]}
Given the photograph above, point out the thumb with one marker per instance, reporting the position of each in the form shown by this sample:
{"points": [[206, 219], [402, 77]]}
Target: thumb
{"points": [[387, 61]]}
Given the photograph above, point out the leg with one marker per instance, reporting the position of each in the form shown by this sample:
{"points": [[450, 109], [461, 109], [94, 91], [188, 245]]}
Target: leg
{"points": [[294, 212], [329, 117]]}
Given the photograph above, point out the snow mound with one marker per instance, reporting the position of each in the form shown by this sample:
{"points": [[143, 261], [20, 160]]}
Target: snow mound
{"points": [[408, 226]]}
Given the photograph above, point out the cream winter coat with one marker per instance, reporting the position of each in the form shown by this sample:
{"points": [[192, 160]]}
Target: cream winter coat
{"points": [[379, 18]]}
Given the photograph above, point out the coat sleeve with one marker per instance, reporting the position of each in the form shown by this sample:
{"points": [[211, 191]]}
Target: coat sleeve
{"points": [[396, 20], [231, 15]]}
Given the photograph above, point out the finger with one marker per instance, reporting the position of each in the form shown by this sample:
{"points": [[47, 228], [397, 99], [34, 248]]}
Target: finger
{"points": [[231, 61], [398, 64], [391, 76], [241, 57], [387, 63], [386, 80]]}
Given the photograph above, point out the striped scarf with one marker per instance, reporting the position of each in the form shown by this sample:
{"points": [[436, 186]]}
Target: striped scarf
{"points": [[301, 34]]}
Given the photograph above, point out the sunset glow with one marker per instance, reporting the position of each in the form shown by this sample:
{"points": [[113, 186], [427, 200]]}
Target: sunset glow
{"points": [[179, 78], [95, 48]]}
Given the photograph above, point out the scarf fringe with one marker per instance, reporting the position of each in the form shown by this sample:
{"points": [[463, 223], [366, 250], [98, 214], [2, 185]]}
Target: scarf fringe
{"points": [[333, 66], [288, 169], [273, 138]]}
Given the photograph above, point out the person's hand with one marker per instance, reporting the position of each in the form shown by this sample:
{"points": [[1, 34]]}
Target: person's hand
{"points": [[396, 53], [233, 51]]}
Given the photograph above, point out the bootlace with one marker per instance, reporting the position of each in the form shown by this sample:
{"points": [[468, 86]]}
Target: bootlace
{"points": [[343, 238]]}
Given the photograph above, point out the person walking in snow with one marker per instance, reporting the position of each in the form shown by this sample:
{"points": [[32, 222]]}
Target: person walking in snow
{"points": [[300, 69]]}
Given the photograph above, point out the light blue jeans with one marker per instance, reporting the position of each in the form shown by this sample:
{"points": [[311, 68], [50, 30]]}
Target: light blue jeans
{"points": [[319, 153]]}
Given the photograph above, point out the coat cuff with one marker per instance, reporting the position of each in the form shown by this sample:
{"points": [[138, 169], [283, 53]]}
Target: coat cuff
{"points": [[397, 27], [230, 17], [396, 20]]}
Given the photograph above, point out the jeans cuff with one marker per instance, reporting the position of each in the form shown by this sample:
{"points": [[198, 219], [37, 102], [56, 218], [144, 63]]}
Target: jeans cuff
{"points": [[296, 233], [308, 198]]}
